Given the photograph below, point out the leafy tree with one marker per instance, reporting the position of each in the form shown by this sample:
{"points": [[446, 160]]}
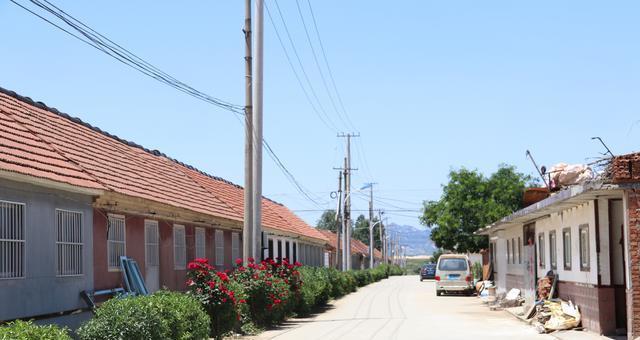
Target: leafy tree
{"points": [[328, 221], [361, 231], [470, 201]]}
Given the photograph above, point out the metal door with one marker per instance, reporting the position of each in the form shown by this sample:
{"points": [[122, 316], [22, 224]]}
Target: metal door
{"points": [[152, 255]]}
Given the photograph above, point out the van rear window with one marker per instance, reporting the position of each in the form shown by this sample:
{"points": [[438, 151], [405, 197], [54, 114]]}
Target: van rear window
{"points": [[453, 264]]}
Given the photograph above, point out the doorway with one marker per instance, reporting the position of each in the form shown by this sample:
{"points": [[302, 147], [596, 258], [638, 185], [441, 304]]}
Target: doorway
{"points": [[152, 255], [617, 265]]}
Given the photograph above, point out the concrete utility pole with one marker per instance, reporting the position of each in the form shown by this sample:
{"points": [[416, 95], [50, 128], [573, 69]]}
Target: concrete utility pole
{"points": [[381, 235], [346, 242], [247, 230], [338, 263], [347, 203], [371, 243], [257, 135]]}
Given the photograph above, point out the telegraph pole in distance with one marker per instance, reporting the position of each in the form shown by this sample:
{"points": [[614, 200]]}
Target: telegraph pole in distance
{"points": [[338, 262], [347, 203], [257, 127], [371, 243], [247, 230]]}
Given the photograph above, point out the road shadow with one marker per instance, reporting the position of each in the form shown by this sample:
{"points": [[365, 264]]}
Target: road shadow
{"points": [[302, 319]]}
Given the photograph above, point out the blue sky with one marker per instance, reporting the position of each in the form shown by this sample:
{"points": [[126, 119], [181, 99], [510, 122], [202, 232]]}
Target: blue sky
{"points": [[429, 85]]}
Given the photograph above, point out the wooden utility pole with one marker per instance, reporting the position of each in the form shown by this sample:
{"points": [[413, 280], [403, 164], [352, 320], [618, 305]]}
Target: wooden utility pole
{"points": [[247, 231]]}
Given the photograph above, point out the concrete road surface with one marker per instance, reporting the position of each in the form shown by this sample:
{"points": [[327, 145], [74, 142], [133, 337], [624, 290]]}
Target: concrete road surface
{"points": [[402, 307]]}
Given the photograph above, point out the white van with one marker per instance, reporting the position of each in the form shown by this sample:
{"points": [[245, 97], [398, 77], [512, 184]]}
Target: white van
{"points": [[453, 274]]}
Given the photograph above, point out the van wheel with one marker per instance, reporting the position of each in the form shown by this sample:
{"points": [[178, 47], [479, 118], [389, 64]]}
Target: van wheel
{"points": [[420, 279], [438, 292]]}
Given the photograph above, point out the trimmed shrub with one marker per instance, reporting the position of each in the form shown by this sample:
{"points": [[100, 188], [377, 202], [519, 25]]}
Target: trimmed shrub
{"points": [[315, 290], [163, 315], [26, 330]]}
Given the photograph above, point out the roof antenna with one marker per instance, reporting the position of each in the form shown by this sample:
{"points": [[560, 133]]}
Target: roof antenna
{"points": [[541, 171], [605, 146]]}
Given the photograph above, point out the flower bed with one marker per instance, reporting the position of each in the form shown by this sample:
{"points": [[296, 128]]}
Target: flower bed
{"points": [[256, 295]]}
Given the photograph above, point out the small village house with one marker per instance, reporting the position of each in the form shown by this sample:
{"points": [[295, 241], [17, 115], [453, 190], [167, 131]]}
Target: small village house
{"points": [[588, 235], [73, 199]]}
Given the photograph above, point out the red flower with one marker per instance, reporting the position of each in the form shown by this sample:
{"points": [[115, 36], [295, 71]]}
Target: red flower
{"points": [[239, 262], [201, 260], [223, 276], [212, 284], [241, 269], [297, 264], [189, 282], [242, 301], [193, 265], [251, 260], [277, 301]]}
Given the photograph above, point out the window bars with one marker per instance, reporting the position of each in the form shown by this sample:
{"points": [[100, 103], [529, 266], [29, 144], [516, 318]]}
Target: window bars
{"points": [[12, 240], [69, 243]]}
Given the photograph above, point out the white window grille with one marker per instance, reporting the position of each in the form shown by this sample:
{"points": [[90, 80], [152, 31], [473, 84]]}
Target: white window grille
{"points": [[151, 243], [69, 243], [566, 247], [553, 257], [179, 247], [219, 248], [584, 247], [201, 243], [235, 246], [116, 241], [12, 240]]}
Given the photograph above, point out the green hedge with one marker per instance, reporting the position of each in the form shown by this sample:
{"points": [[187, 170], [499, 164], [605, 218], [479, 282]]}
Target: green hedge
{"points": [[25, 330], [163, 315]]}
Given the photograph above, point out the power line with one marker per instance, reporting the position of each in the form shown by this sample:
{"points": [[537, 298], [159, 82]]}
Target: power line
{"points": [[107, 46], [321, 112], [326, 120], [346, 120], [100, 42]]}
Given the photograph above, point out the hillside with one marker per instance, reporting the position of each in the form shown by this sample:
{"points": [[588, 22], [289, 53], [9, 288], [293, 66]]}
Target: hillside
{"points": [[416, 239]]}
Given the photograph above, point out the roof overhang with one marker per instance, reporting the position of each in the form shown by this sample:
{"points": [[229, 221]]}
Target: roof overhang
{"points": [[568, 198], [47, 183]]}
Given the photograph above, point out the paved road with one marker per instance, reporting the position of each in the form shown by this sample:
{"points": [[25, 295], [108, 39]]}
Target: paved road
{"points": [[404, 308]]}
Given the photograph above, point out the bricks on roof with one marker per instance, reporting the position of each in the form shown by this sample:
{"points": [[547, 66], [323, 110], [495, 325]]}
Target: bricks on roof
{"points": [[42, 142], [357, 246]]}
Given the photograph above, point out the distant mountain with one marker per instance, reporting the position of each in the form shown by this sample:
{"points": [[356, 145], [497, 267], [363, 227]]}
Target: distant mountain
{"points": [[417, 240]]}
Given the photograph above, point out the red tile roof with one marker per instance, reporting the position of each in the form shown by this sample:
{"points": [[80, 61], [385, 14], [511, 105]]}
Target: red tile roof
{"points": [[39, 141], [357, 247]]}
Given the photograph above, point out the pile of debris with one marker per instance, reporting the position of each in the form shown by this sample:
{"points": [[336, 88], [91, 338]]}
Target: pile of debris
{"points": [[554, 315]]}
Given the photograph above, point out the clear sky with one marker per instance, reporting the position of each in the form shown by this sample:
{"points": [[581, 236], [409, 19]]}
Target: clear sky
{"points": [[430, 86]]}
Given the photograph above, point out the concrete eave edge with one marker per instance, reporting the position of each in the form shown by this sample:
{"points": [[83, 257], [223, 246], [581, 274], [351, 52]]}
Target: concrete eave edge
{"points": [[542, 208], [47, 183]]}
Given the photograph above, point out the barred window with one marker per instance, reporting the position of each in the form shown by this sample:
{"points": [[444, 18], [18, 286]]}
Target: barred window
{"points": [[219, 248], [235, 246], [553, 253], [519, 251], [69, 243], [566, 247], [584, 247], [12, 239], [179, 247], [200, 243], [541, 250], [116, 241]]}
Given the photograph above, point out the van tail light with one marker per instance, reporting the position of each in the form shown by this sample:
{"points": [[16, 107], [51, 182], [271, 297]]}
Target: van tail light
{"points": [[469, 278], [437, 277]]}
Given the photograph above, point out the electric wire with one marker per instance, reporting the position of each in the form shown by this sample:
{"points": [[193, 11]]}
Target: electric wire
{"points": [[107, 46], [326, 120], [114, 50]]}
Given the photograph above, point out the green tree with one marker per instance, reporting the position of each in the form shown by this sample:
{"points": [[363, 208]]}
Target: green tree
{"points": [[470, 201], [328, 221], [361, 231]]}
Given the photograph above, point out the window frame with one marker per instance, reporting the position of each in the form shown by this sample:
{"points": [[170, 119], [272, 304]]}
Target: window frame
{"points": [[541, 253], [508, 251], [566, 249], [80, 244], [111, 242], [235, 245], [200, 240], [553, 249], [179, 263], [219, 247], [20, 242], [519, 250], [584, 267]]}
